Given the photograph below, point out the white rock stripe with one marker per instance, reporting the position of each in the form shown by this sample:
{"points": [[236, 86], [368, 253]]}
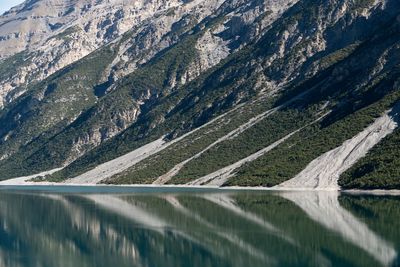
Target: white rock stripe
{"points": [[168, 176], [24, 180], [218, 178], [119, 164], [324, 171], [234, 133]]}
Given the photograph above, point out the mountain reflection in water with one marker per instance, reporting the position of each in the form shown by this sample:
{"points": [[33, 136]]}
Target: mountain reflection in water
{"points": [[198, 229]]}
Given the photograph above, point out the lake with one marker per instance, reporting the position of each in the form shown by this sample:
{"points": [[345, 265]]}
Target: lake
{"points": [[111, 226]]}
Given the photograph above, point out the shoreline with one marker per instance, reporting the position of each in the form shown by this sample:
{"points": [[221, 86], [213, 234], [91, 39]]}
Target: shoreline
{"points": [[38, 185]]}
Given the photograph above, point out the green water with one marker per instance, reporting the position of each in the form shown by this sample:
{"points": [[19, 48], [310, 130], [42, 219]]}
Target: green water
{"points": [[158, 227]]}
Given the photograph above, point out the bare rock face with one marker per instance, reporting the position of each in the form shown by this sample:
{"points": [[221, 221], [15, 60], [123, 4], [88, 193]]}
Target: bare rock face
{"points": [[45, 36], [31, 24], [48, 35]]}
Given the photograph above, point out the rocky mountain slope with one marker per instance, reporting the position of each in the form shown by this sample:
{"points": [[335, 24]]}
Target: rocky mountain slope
{"points": [[216, 92], [42, 37]]}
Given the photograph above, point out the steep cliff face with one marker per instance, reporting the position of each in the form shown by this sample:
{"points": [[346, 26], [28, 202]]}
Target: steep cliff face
{"points": [[45, 36], [208, 77]]}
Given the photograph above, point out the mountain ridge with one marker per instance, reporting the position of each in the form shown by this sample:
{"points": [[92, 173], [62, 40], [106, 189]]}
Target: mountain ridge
{"points": [[203, 82]]}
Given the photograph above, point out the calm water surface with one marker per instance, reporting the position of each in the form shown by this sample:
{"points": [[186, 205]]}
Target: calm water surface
{"points": [[175, 227]]}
